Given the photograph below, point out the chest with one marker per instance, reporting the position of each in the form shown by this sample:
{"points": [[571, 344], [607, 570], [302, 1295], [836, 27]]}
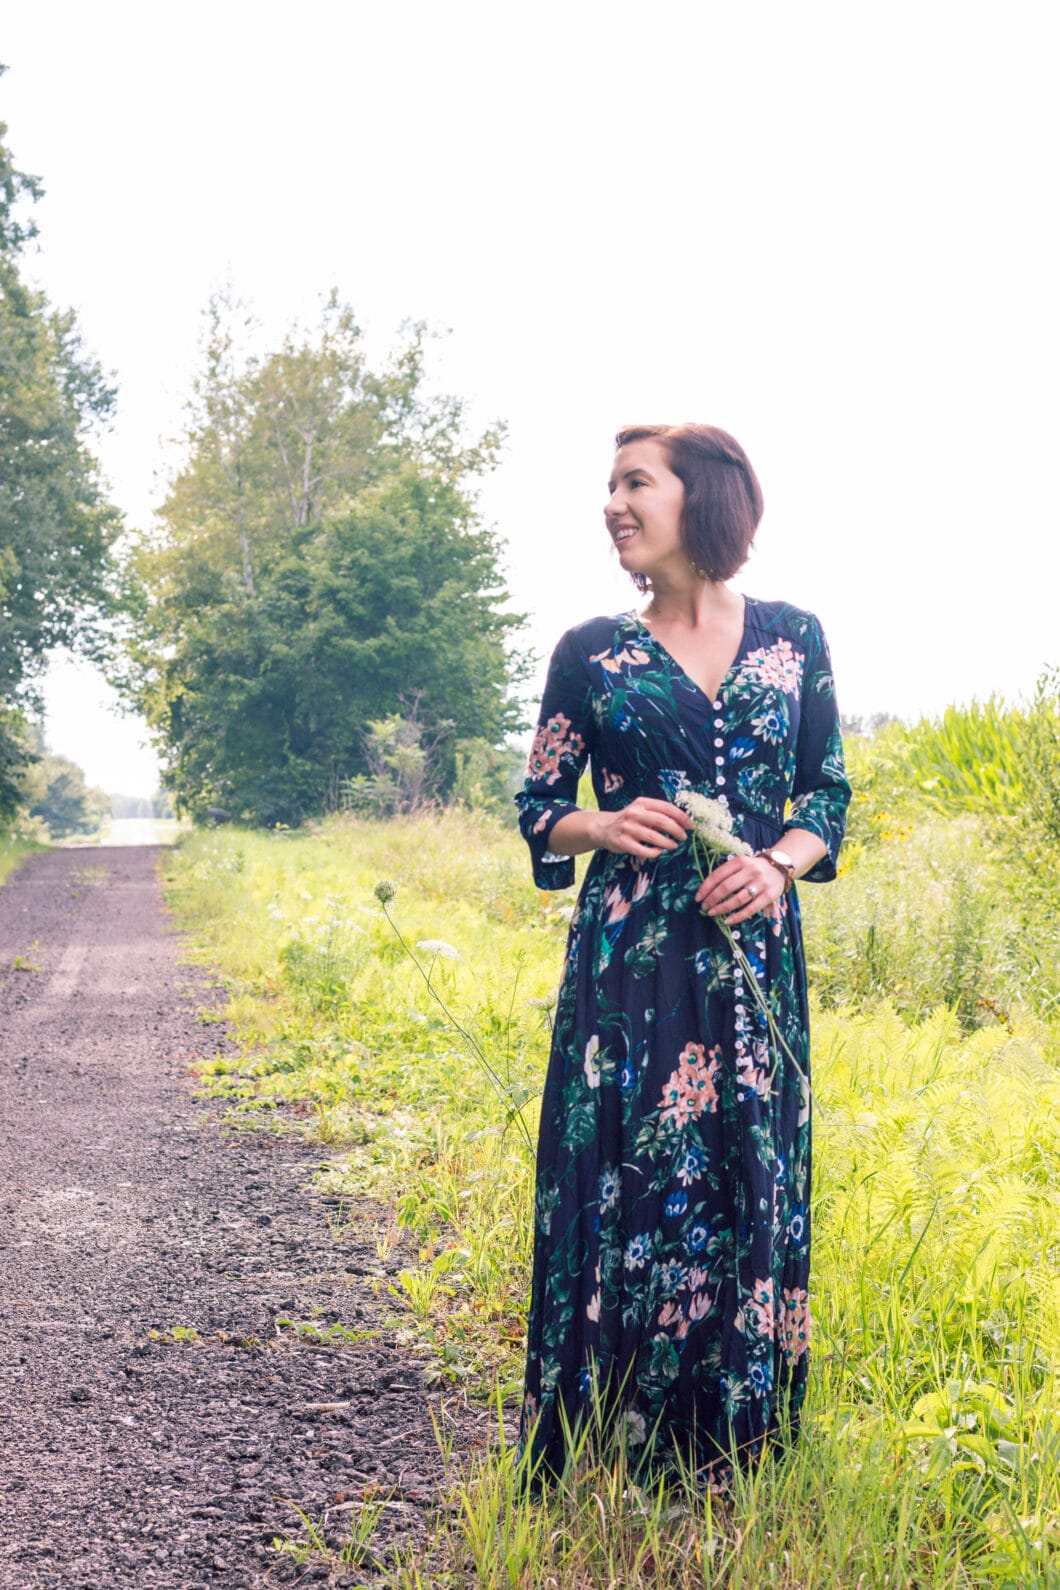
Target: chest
{"points": [[708, 654]]}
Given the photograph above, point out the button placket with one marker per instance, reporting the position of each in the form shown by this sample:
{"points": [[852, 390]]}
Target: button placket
{"points": [[719, 743]]}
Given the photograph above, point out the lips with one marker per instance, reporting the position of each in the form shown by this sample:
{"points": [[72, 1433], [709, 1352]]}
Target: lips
{"points": [[623, 533]]}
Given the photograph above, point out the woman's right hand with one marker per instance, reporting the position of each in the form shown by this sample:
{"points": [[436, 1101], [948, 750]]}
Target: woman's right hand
{"points": [[646, 827]]}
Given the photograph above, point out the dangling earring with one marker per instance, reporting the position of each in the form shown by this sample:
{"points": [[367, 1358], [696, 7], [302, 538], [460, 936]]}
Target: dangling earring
{"points": [[696, 570]]}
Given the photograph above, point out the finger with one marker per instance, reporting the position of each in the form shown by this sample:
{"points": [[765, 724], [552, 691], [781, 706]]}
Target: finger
{"points": [[649, 840], [647, 835], [745, 900], [716, 891], [667, 809]]}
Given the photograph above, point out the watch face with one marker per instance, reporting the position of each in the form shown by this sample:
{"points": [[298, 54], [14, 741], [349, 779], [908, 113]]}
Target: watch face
{"points": [[783, 857]]}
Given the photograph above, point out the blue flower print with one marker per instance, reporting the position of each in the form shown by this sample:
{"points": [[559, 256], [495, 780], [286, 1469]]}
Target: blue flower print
{"points": [[676, 1204], [698, 1237], [771, 726], [692, 1165], [610, 1187], [671, 1277], [638, 1251], [761, 1377]]}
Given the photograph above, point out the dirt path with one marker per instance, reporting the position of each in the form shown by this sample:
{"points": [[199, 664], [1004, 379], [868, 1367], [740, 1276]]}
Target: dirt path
{"points": [[129, 1458]]}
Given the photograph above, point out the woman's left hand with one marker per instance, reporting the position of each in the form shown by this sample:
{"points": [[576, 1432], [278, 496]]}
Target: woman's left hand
{"points": [[741, 887]]}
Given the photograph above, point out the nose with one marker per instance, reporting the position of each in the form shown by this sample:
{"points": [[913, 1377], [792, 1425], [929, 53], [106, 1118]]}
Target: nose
{"points": [[615, 503]]}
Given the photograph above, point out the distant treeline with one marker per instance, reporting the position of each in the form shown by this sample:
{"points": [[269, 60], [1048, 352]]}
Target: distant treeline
{"points": [[158, 805]]}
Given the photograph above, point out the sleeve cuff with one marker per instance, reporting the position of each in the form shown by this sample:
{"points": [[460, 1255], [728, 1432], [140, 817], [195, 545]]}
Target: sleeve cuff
{"points": [[822, 871], [550, 871]]}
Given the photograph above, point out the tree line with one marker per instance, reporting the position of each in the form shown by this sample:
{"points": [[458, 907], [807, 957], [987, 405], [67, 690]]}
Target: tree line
{"points": [[317, 618]]}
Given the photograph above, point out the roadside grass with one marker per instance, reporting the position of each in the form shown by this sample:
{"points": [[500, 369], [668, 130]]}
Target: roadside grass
{"points": [[13, 852], [931, 1445]]}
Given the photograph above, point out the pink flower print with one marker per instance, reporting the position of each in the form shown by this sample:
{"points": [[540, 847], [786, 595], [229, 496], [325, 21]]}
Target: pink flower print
{"points": [[612, 781], [551, 742], [676, 1104], [698, 1073], [699, 1306], [690, 1090], [697, 1279], [640, 888], [629, 655], [751, 1077], [669, 1314], [539, 826], [760, 1308], [617, 906], [778, 665], [793, 1327]]}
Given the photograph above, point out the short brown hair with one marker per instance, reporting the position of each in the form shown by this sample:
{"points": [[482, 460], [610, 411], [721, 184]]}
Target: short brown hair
{"points": [[723, 500]]}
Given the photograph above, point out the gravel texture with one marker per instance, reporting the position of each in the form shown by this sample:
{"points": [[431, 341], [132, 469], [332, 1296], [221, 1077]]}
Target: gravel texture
{"points": [[127, 1211]]}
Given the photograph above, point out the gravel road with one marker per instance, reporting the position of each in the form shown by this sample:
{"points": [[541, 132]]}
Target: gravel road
{"points": [[129, 1456]]}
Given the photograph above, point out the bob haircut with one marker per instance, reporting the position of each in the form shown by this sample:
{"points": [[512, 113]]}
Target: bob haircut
{"points": [[723, 500]]}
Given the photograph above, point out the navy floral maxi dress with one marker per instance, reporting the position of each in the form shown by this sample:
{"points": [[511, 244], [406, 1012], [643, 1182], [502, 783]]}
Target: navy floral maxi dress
{"points": [[672, 1226]]}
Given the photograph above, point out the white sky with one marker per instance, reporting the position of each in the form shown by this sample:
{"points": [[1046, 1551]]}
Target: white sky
{"points": [[825, 227]]}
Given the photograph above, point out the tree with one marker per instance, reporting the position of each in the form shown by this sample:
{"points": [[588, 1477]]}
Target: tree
{"points": [[56, 792], [320, 559], [56, 528]]}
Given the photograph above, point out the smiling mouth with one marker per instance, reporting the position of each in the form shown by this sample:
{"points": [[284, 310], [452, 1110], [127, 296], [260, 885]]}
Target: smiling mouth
{"points": [[624, 535]]}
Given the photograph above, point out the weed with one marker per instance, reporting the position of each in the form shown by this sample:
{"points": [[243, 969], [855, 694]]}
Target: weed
{"points": [[27, 962], [175, 1333], [333, 1335]]}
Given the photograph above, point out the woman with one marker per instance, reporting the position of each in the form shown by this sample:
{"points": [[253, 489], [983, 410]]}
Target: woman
{"points": [[672, 1240]]}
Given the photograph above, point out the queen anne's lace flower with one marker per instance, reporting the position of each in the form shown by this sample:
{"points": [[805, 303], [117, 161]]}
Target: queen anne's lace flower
{"points": [[712, 823], [438, 947]]}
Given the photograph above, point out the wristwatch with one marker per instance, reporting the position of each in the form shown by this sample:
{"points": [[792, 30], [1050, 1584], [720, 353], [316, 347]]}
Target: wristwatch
{"points": [[783, 863]]}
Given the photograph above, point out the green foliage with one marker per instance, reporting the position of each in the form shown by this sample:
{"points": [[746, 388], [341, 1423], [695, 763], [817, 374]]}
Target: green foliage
{"points": [[15, 757], [996, 761], [56, 528], [320, 567], [54, 790], [12, 852], [401, 763], [931, 1435]]}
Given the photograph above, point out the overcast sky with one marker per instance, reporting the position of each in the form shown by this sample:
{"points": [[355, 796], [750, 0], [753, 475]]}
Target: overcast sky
{"points": [[828, 228]]}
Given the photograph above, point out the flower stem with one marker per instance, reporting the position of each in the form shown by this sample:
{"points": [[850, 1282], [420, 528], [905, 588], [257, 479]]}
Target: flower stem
{"points": [[706, 859], [504, 1090]]}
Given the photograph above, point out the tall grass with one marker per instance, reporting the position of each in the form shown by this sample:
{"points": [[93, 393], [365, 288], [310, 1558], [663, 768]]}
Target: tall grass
{"points": [[13, 852], [931, 1450]]}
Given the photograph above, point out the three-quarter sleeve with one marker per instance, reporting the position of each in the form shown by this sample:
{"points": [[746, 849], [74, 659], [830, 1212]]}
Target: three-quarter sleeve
{"points": [[557, 760], [820, 792]]}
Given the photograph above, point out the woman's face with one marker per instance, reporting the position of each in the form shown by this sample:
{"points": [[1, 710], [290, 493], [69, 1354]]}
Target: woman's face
{"points": [[643, 513]]}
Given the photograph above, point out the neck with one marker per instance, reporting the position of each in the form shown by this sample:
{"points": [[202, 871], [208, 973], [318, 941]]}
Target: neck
{"points": [[690, 601]]}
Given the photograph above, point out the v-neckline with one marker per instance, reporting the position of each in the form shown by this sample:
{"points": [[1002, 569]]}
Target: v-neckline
{"points": [[713, 695]]}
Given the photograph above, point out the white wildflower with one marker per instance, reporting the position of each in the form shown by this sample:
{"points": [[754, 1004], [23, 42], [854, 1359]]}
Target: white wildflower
{"points": [[438, 947], [712, 823]]}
